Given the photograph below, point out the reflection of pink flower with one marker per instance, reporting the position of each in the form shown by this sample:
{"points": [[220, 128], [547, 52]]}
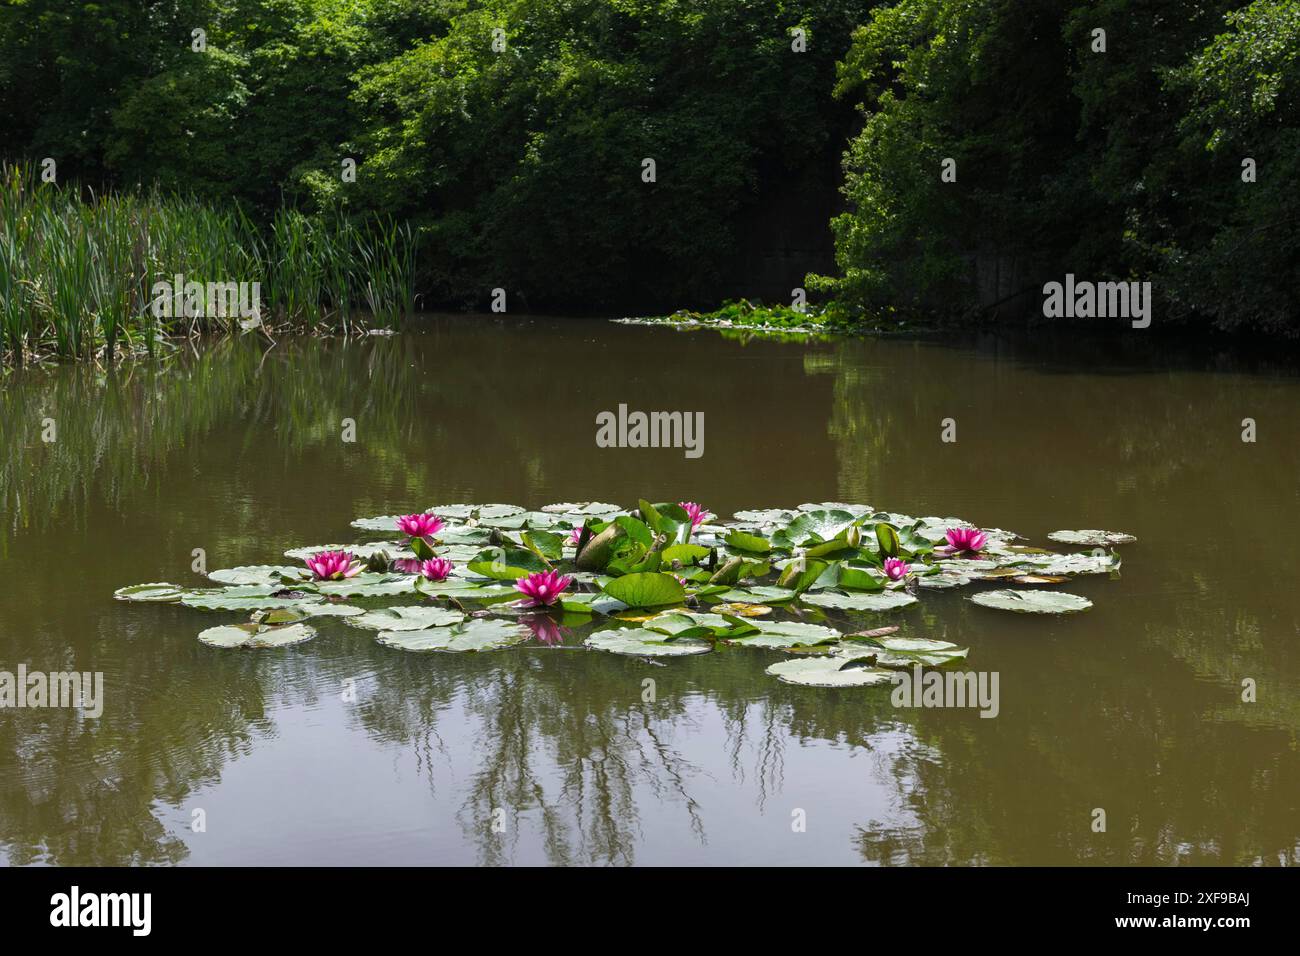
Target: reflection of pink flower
{"points": [[419, 526], [333, 565], [966, 539], [436, 569], [697, 513], [407, 565], [896, 570], [542, 587], [545, 629]]}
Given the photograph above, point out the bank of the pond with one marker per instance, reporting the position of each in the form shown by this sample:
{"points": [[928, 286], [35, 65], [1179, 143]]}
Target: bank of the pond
{"points": [[85, 275]]}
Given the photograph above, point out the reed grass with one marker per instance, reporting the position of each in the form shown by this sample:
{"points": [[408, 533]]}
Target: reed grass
{"points": [[77, 269]]}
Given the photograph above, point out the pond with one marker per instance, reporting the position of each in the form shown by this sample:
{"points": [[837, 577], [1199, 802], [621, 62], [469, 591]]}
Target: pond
{"points": [[344, 751]]}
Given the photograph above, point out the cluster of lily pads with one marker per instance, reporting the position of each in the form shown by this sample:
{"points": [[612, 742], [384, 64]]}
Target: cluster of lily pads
{"points": [[662, 580]]}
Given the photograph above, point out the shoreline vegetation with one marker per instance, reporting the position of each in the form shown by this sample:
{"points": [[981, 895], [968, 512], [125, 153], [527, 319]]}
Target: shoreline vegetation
{"points": [[933, 160], [780, 321], [79, 271]]}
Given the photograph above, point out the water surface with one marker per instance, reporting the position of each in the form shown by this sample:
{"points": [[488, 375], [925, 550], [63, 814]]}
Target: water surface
{"points": [[1134, 707]]}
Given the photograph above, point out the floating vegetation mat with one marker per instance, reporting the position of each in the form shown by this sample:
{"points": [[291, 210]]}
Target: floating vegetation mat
{"points": [[662, 580]]}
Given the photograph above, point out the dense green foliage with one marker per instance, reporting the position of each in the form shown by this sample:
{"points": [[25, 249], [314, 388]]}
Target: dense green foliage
{"points": [[521, 164], [512, 135], [1125, 163]]}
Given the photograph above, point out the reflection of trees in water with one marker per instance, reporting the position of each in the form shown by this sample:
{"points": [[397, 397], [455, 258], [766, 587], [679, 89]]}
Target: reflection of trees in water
{"points": [[562, 743], [77, 791], [1148, 741]]}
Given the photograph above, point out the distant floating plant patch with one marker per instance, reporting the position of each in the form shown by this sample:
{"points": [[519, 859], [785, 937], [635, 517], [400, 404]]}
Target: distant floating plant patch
{"points": [[662, 580]]}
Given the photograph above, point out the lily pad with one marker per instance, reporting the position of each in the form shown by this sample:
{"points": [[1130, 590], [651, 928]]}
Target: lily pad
{"points": [[813, 526], [584, 508], [740, 609], [759, 594], [1069, 564], [378, 523], [291, 615], [765, 516], [638, 642], [779, 635], [258, 574], [411, 618], [256, 635], [361, 551], [646, 589], [159, 592], [462, 590], [1092, 538], [943, 579], [479, 634], [880, 601], [370, 584], [828, 672], [1033, 602], [249, 597], [903, 652]]}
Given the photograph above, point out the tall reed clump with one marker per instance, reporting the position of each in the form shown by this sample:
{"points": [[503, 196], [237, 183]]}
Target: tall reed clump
{"points": [[78, 270]]}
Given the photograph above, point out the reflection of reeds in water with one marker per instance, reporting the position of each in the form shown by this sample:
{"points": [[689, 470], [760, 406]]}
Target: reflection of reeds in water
{"points": [[77, 272], [115, 428]]}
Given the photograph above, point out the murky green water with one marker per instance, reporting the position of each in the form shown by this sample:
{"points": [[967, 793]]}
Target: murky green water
{"points": [[1134, 707]]}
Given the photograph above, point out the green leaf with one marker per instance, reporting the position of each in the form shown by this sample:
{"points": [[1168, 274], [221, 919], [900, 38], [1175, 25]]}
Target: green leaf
{"points": [[507, 564], [1032, 602], [596, 553], [637, 642], [479, 634], [256, 635], [263, 574], [411, 618], [686, 553], [247, 598], [158, 592], [858, 579], [884, 601], [813, 527], [799, 575], [545, 544], [1092, 538], [651, 589], [887, 540], [748, 542], [638, 531], [828, 672]]}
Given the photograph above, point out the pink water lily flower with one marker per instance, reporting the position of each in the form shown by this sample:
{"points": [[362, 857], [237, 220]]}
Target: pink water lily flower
{"points": [[333, 565], [966, 539], [897, 569], [420, 526], [542, 587], [697, 513], [574, 535], [407, 565], [435, 569]]}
